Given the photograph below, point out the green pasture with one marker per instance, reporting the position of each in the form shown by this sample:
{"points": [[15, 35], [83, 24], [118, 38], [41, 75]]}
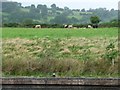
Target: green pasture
{"points": [[58, 32]]}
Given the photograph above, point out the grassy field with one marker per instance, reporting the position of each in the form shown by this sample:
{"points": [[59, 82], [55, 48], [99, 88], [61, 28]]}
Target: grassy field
{"points": [[66, 52], [58, 33]]}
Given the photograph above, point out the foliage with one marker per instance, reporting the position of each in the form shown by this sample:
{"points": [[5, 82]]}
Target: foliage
{"points": [[53, 8], [60, 19], [111, 53], [112, 23], [12, 25], [94, 19], [10, 6], [27, 22], [13, 12]]}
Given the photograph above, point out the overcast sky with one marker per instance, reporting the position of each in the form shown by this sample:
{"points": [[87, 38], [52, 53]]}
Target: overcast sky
{"points": [[74, 4]]}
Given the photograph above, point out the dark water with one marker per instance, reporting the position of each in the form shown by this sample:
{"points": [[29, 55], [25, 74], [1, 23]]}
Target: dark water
{"points": [[34, 87]]}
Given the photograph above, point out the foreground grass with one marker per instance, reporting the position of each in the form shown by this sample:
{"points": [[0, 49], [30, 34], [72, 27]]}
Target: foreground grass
{"points": [[58, 32], [67, 57], [67, 52]]}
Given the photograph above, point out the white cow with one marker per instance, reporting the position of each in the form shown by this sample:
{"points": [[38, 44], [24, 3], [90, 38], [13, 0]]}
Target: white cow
{"points": [[37, 26], [70, 26], [89, 26]]}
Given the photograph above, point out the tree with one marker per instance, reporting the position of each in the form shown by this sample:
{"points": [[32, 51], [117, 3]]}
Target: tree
{"points": [[33, 12], [95, 20], [32, 8], [83, 10], [39, 7], [60, 19], [53, 8], [73, 20], [67, 11], [27, 22], [10, 7], [44, 11]]}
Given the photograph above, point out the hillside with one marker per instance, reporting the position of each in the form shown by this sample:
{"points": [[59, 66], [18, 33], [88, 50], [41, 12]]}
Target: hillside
{"points": [[14, 12]]}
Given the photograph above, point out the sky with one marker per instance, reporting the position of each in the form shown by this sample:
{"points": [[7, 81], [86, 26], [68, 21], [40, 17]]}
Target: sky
{"points": [[74, 4]]}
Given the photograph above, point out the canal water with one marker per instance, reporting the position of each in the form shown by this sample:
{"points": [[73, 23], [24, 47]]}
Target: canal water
{"points": [[34, 87]]}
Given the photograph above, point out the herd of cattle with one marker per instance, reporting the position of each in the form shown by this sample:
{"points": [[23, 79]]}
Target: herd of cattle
{"points": [[70, 26]]}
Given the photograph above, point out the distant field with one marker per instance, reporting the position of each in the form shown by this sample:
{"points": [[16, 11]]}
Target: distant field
{"points": [[58, 32]]}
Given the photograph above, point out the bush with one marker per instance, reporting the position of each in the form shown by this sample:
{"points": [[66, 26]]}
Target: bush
{"points": [[11, 25]]}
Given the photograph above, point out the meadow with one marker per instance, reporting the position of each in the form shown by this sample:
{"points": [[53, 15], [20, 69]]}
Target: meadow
{"points": [[58, 32], [66, 52]]}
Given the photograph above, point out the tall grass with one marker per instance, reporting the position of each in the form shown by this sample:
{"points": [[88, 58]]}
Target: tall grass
{"points": [[63, 56]]}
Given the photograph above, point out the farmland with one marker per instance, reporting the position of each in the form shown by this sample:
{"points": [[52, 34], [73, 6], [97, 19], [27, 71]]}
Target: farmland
{"points": [[58, 32], [66, 52]]}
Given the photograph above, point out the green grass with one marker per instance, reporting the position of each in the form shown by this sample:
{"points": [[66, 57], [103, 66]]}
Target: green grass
{"points": [[67, 52], [58, 32]]}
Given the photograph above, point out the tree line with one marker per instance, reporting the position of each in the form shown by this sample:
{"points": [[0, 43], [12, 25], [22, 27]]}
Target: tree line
{"points": [[14, 13]]}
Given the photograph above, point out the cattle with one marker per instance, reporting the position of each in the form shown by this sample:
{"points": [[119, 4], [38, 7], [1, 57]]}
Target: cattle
{"points": [[37, 26], [68, 26], [95, 26], [89, 26], [65, 26]]}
